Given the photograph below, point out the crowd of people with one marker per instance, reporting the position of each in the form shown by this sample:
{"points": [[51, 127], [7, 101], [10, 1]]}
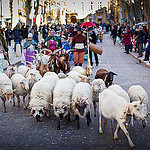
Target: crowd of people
{"points": [[135, 38], [53, 37]]}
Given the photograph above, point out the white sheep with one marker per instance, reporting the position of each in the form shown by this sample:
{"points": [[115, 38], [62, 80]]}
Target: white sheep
{"points": [[121, 92], [11, 70], [62, 95], [50, 73], [6, 91], [78, 77], [21, 86], [113, 106], [97, 87], [82, 101], [136, 93], [41, 96], [23, 70], [87, 71]]}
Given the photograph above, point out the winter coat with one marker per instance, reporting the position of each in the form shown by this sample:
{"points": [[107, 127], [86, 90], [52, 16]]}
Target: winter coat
{"points": [[140, 36], [17, 35], [127, 39], [67, 46], [93, 36], [114, 33]]}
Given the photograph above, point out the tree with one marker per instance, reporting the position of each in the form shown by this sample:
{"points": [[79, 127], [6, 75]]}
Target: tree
{"points": [[36, 7], [28, 11], [11, 11]]}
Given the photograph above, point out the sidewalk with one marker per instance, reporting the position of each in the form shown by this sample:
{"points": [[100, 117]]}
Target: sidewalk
{"points": [[14, 61], [133, 54]]}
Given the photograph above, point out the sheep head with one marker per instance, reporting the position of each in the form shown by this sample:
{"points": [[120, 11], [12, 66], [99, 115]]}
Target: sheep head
{"points": [[9, 95], [84, 78], [24, 84], [38, 112], [80, 106], [89, 70], [61, 110]]}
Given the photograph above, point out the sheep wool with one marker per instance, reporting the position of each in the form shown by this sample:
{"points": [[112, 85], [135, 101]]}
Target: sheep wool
{"points": [[121, 92]]}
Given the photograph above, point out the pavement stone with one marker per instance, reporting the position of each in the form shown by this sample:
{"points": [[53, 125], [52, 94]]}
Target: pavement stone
{"points": [[20, 131]]}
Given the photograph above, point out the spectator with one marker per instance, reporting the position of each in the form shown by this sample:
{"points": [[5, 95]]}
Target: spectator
{"points": [[26, 32], [44, 32], [114, 34], [9, 36], [139, 33], [127, 40], [17, 35], [147, 51]]}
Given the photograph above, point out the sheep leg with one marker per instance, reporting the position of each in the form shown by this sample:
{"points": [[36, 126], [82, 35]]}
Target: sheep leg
{"points": [[4, 107], [134, 117], [13, 99], [28, 98], [31, 113], [58, 127], [144, 123], [88, 118], [94, 103], [122, 126], [24, 105], [100, 123], [105, 121], [131, 123], [115, 134], [47, 113], [69, 117], [18, 98], [78, 124]]}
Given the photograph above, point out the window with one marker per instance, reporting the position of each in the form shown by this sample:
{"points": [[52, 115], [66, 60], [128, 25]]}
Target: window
{"points": [[91, 5], [82, 6]]}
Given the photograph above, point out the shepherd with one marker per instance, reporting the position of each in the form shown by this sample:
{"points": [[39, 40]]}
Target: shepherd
{"points": [[29, 47]]}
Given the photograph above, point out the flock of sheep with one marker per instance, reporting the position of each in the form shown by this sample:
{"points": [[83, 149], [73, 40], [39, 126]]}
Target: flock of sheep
{"points": [[74, 93]]}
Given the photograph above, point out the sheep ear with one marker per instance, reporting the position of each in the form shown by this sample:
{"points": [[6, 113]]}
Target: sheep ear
{"points": [[126, 111], [85, 68], [4, 93], [114, 74]]}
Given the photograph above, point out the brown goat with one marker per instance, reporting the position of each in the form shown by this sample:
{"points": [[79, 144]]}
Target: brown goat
{"points": [[65, 63], [106, 76], [54, 64], [43, 69]]}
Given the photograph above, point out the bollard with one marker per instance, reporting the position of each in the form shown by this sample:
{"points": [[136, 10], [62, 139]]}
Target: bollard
{"points": [[12, 45], [10, 52], [18, 50]]}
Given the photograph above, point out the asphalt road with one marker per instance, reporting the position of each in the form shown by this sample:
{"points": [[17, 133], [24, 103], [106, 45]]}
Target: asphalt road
{"points": [[18, 130]]}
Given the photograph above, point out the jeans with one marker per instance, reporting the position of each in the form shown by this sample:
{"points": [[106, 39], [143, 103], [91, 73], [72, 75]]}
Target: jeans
{"points": [[1, 65], [17, 42], [114, 40]]}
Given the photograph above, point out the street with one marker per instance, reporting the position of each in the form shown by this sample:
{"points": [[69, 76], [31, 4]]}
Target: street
{"points": [[20, 131]]}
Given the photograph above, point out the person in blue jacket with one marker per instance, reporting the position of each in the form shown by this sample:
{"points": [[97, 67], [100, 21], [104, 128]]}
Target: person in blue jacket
{"points": [[147, 52], [66, 46]]}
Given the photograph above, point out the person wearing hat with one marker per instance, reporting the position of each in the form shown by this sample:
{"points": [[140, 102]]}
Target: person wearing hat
{"points": [[127, 40], [29, 47], [78, 42]]}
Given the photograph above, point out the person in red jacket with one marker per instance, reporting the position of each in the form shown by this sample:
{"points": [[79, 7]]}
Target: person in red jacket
{"points": [[78, 42], [127, 41]]}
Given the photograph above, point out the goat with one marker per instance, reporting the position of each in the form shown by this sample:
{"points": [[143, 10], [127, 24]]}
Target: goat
{"points": [[106, 76], [43, 69]]}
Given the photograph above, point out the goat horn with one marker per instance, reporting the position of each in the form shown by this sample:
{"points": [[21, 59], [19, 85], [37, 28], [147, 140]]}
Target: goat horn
{"points": [[45, 49], [69, 50], [29, 62], [31, 56], [51, 105], [148, 113], [68, 104]]}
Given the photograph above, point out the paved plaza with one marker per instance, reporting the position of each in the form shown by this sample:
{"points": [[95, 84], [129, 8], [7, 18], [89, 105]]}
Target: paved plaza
{"points": [[20, 131]]}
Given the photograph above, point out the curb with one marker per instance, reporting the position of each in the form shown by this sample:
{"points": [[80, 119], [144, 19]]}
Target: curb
{"points": [[140, 60]]}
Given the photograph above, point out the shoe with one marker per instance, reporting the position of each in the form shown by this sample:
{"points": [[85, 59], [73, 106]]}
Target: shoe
{"points": [[97, 63], [145, 59], [91, 63], [125, 52], [139, 56]]}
